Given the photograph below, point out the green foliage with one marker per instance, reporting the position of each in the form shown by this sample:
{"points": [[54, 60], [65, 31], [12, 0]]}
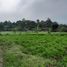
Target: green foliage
{"points": [[30, 25], [34, 50]]}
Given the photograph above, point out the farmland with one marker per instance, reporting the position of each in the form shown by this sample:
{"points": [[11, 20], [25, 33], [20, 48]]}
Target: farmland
{"points": [[34, 50]]}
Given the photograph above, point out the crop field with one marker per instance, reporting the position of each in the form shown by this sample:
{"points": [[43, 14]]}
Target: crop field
{"points": [[33, 50]]}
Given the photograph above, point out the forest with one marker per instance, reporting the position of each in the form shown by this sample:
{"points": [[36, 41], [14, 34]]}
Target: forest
{"points": [[30, 25]]}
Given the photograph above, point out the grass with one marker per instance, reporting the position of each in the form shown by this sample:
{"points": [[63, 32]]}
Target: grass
{"points": [[34, 50]]}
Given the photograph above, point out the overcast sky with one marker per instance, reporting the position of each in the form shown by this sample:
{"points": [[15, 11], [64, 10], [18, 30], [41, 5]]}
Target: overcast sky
{"points": [[33, 9]]}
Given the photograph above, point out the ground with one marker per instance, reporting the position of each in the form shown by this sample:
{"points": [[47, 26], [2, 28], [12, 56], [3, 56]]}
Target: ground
{"points": [[1, 57]]}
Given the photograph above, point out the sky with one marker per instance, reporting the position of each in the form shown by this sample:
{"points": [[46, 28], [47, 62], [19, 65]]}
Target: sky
{"points": [[14, 10]]}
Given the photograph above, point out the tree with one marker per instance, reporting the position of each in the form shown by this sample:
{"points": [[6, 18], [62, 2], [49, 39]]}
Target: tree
{"points": [[63, 28], [49, 24], [29, 25], [38, 24], [7, 25], [55, 26], [1, 26]]}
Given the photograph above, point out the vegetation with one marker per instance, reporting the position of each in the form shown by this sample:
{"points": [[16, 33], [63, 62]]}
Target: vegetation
{"points": [[34, 50], [26, 43], [30, 25]]}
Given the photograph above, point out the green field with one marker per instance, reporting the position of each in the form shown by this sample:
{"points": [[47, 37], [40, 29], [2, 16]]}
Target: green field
{"points": [[34, 50]]}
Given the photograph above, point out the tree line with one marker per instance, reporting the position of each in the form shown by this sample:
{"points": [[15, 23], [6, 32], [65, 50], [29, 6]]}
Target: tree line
{"points": [[30, 25]]}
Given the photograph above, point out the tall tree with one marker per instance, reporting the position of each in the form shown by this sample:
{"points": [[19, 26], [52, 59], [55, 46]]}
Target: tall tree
{"points": [[55, 26], [38, 21], [49, 24]]}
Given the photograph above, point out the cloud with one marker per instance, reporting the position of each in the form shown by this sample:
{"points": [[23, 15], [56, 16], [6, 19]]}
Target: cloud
{"points": [[55, 9], [8, 5], [49, 8], [14, 5], [33, 9]]}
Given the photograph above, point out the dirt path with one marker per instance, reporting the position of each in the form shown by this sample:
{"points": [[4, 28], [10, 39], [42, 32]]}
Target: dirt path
{"points": [[1, 57]]}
